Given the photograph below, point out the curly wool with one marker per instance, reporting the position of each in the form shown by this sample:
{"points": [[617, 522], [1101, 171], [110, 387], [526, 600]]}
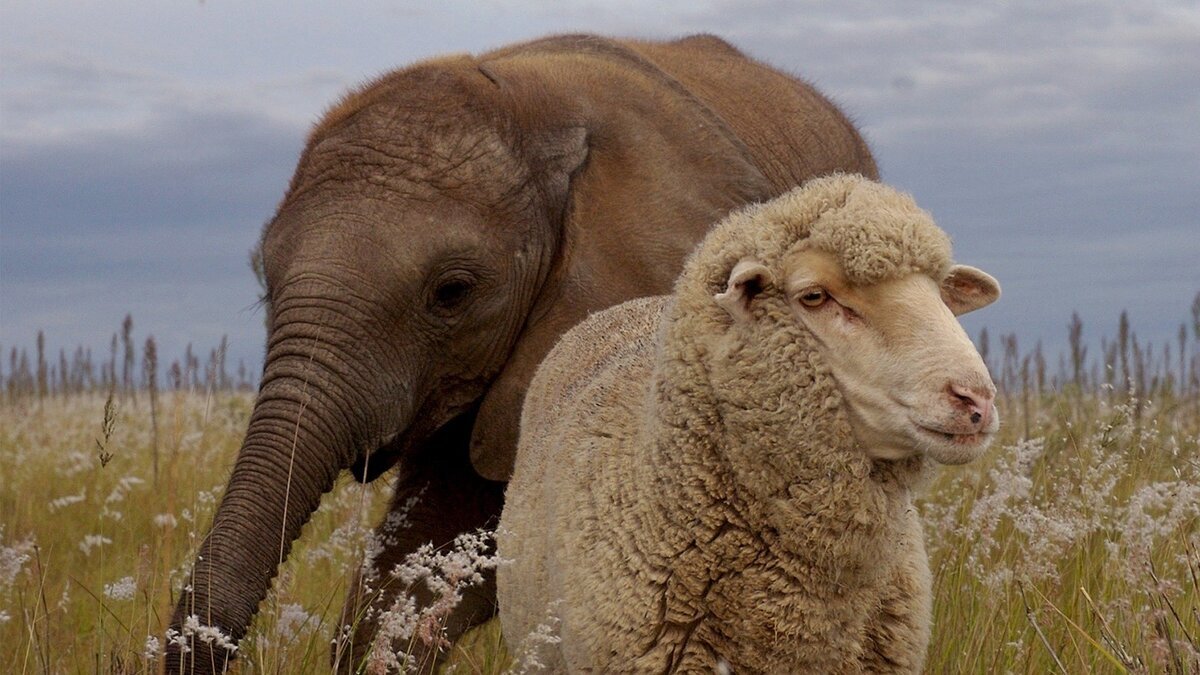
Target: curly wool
{"points": [[688, 489]]}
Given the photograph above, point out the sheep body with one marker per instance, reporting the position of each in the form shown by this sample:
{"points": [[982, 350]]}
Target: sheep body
{"points": [[689, 494]]}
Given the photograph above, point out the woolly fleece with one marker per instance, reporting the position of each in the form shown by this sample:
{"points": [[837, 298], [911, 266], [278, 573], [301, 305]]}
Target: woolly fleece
{"points": [[688, 491]]}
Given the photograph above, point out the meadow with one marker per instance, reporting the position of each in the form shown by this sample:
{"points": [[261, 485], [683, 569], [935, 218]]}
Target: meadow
{"points": [[1073, 546]]}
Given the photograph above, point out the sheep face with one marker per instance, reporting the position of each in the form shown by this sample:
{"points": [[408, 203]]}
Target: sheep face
{"points": [[912, 381], [910, 377]]}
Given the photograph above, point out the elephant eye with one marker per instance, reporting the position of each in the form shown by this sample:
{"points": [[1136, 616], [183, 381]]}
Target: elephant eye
{"points": [[452, 292]]}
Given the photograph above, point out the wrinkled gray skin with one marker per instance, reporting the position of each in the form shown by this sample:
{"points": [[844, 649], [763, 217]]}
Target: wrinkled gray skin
{"points": [[444, 226]]}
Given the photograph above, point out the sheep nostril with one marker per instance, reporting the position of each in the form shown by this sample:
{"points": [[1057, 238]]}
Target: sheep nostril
{"points": [[977, 403]]}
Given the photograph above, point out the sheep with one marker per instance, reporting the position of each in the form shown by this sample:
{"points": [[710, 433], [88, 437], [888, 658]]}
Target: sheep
{"points": [[723, 477]]}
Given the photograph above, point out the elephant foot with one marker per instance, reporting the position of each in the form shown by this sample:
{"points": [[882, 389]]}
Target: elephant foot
{"points": [[408, 621]]}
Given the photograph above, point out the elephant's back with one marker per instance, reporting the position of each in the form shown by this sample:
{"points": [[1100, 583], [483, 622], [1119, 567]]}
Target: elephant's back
{"points": [[792, 131]]}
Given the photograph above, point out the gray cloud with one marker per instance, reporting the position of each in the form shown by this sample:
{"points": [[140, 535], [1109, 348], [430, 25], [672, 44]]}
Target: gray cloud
{"points": [[174, 170], [155, 219]]}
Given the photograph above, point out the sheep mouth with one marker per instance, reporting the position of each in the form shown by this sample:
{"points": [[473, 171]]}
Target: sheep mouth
{"points": [[971, 438], [947, 447]]}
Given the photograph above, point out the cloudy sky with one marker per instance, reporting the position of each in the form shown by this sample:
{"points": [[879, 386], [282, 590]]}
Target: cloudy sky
{"points": [[143, 145]]}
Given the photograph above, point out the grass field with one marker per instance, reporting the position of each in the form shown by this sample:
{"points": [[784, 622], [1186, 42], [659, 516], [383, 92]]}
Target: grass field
{"points": [[1072, 546]]}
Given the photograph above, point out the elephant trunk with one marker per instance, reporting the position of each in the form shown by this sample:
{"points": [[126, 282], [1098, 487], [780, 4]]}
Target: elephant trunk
{"points": [[304, 429]]}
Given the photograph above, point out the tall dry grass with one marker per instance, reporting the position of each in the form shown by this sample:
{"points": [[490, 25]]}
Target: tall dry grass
{"points": [[1072, 546], [93, 553]]}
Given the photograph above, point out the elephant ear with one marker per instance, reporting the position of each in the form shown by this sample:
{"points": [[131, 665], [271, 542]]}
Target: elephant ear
{"points": [[497, 425], [658, 169], [559, 154]]}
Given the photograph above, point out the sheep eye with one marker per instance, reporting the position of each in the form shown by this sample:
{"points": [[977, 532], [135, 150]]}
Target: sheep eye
{"points": [[813, 297]]}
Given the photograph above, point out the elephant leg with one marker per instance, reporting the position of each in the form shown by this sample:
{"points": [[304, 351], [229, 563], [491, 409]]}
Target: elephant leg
{"points": [[433, 503]]}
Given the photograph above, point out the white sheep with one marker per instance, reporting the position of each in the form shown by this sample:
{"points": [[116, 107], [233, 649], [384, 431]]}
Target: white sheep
{"points": [[723, 477]]}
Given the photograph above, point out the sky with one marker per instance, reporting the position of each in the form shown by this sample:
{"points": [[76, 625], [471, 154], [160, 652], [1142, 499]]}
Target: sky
{"points": [[143, 145]]}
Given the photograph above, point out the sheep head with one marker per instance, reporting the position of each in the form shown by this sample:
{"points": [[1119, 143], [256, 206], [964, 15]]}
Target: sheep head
{"points": [[861, 276], [911, 380]]}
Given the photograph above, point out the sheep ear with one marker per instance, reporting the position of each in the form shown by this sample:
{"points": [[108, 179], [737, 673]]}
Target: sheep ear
{"points": [[747, 280], [967, 289]]}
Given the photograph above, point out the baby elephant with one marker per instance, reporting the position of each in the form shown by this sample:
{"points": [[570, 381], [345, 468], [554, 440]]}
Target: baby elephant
{"points": [[723, 477]]}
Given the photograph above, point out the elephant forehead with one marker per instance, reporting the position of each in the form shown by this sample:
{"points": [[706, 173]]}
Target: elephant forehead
{"points": [[473, 166], [417, 149], [399, 228]]}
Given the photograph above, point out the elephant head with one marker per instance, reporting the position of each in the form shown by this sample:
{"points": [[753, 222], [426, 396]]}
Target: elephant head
{"points": [[403, 265], [445, 224]]}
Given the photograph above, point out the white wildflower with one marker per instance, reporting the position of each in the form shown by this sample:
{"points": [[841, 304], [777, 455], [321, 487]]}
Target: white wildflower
{"points": [[397, 519], [122, 489], [64, 502], [447, 573], [93, 541], [1049, 535], [346, 543], [152, 648], [1153, 513], [122, 589], [293, 621], [529, 653], [165, 520], [207, 634], [12, 559], [395, 627], [1011, 490], [178, 639]]}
